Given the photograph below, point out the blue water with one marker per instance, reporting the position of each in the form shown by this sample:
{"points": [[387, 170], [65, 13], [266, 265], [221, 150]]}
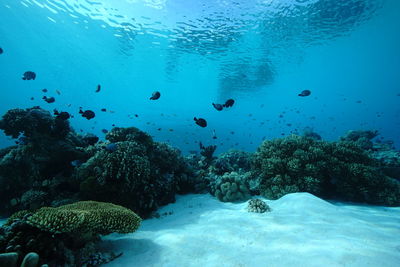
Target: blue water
{"points": [[260, 53]]}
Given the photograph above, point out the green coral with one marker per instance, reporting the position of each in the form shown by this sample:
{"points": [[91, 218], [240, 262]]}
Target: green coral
{"points": [[118, 134], [86, 217], [338, 169], [230, 187], [138, 175], [233, 160]]}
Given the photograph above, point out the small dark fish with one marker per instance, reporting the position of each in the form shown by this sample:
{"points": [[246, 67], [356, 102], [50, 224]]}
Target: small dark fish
{"points": [[98, 88], [49, 99], [29, 75], [111, 147], [76, 163], [104, 131], [44, 90], [358, 101], [63, 115], [229, 103], [155, 95], [113, 125], [103, 109], [218, 107], [88, 114], [1, 51], [32, 98], [201, 122], [305, 93], [58, 92], [214, 135], [136, 115], [159, 129]]}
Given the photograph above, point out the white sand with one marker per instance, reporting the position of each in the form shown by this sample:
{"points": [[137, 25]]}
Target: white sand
{"points": [[301, 230]]}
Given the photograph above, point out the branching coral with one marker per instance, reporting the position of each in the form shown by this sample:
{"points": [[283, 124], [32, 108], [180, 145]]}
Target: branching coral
{"points": [[233, 160], [33, 123], [342, 169], [258, 206]]}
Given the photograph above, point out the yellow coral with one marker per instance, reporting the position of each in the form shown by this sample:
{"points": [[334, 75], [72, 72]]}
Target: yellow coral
{"points": [[86, 216]]}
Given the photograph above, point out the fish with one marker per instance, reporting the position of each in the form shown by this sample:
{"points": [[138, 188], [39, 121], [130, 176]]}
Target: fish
{"points": [[49, 99], [201, 122], [111, 147], [58, 92], [229, 103], [104, 131], [29, 75], [103, 109], [63, 115], [305, 93], [88, 114], [155, 95], [32, 98], [98, 88], [136, 115], [218, 107], [1, 51], [214, 135], [44, 90], [76, 163]]}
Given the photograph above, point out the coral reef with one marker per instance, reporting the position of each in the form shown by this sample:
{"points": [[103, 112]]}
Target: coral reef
{"points": [[33, 123], [339, 169], [230, 187], [233, 160], [388, 159], [67, 235], [140, 174], [309, 132], [44, 154], [85, 217], [258, 206], [207, 152], [360, 138]]}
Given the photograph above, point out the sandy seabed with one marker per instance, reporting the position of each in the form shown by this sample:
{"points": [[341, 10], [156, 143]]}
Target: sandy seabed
{"points": [[301, 230]]}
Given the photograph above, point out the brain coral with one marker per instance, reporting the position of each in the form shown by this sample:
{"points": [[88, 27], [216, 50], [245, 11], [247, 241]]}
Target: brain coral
{"points": [[230, 186], [86, 217]]}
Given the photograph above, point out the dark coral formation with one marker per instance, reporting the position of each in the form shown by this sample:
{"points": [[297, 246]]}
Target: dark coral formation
{"points": [[67, 235], [360, 138], [339, 169], [33, 123], [233, 160], [140, 174], [33, 173]]}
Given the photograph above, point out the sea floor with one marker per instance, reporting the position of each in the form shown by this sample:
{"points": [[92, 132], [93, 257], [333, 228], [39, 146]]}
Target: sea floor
{"points": [[301, 230]]}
